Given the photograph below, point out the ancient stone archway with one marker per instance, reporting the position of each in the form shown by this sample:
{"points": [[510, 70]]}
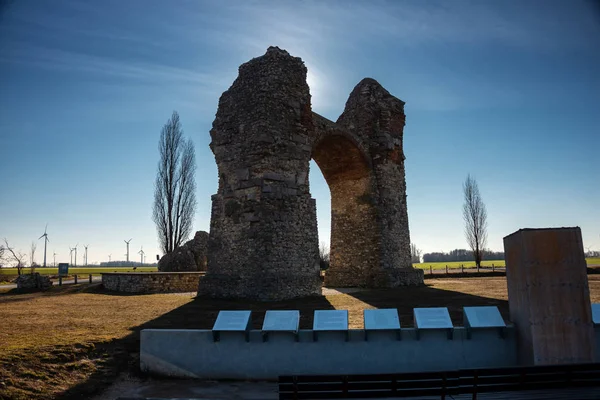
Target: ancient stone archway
{"points": [[263, 239]]}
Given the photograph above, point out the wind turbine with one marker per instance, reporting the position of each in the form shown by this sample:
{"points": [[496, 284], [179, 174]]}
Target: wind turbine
{"points": [[55, 259], [86, 247], [127, 241], [109, 257], [141, 253], [71, 250], [45, 236], [76, 255]]}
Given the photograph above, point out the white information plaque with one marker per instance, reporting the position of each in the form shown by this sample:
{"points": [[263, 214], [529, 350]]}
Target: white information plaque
{"points": [[330, 320], [483, 317], [432, 318], [596, 313], [281, 320], [232, 321], [381, 319]]}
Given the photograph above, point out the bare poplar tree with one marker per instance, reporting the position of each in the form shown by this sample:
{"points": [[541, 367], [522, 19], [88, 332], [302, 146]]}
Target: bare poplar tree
{"points": [[175, 186], [475, 217], [415, 254]]}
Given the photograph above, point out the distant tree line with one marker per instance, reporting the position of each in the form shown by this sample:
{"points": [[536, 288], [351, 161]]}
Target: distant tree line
{"points": [[124, 264], [461, 255]]}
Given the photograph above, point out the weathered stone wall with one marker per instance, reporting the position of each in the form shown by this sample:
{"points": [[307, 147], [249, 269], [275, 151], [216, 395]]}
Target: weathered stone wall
{"points": [[191, 256], [151, 282], [33, 281], [263, 240]]}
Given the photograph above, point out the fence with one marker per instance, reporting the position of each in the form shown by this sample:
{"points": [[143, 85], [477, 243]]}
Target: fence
{"points": [[465, 270]]}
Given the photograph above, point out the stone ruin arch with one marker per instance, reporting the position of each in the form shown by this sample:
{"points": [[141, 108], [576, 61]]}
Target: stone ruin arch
{"points": [[263, 241]]}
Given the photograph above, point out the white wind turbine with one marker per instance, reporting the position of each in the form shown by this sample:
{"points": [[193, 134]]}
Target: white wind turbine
{"points": [[76, 255], [141, 253], [71, 250], [85, 257], [127, 241], [46, 240]]}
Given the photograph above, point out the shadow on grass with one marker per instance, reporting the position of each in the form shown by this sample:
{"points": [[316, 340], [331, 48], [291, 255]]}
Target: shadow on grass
{"points": [[122, 355], [407, 298], [200, 313]]}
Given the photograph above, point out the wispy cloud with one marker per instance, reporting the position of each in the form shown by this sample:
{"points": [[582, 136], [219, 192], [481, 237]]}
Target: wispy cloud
{"points": [[63, 60], [200, 44]]}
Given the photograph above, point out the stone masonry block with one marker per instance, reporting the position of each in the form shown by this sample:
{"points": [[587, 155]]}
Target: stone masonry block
{"points": [[549, 297]]}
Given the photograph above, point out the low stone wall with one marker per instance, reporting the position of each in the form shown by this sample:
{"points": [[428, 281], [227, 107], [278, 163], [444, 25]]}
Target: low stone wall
{"points": [[33, 281], [151, 282]]}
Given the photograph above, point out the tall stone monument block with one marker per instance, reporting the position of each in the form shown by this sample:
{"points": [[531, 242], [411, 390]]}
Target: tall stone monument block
{"points": [[263, 241], [549, 297]]}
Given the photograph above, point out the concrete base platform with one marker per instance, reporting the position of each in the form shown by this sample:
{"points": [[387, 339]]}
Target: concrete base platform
{"points": [[195, 354]]}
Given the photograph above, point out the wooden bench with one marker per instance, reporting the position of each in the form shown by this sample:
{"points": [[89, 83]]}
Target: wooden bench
{"points": [[547, 377], [369, 386], [467, 384]]}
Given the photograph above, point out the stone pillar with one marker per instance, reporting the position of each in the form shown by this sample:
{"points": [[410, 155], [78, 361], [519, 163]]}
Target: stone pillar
{"points": [[377, 119], [263, 241], [548, 296]]}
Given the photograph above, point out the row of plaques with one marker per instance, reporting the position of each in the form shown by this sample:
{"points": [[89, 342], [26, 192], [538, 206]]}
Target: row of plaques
{"points": [[374, 320]]}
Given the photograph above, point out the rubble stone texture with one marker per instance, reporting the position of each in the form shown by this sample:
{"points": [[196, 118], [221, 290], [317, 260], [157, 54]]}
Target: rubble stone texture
{"points": [[151, 282], [191, 256], [33, 281], [263, 241]]}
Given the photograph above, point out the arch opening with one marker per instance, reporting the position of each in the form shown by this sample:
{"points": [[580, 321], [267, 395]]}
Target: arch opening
{"points": [[354, 238]]}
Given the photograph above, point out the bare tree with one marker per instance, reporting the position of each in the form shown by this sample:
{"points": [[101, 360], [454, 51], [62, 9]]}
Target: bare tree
{"points": [[17, 256], [415, 254], [323, 256], [475, 217], [32, 256], [2, 251], [175, 186]]}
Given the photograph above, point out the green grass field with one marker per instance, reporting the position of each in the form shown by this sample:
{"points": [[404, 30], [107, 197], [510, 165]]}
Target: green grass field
{"points": [[471, 264], [78, 270]]}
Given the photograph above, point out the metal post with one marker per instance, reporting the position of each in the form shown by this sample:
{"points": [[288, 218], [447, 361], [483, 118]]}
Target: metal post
{"points": [[430, 270], [462, 268], [90, 278], [59, 280], [446, 269], [75, 278], [492, 267]]}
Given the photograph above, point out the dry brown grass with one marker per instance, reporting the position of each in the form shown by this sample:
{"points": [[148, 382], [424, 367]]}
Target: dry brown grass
{"points": [[73, 340]]}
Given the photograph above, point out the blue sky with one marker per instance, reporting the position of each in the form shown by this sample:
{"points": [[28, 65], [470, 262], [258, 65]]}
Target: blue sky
{"points": [[508, 91]]}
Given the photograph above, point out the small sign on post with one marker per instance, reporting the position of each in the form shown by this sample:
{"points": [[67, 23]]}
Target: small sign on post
{"points": [[384, 319], [231, 321], [281, 321], [330, 320], [433, 318], [63, 269], [483, 317]]}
